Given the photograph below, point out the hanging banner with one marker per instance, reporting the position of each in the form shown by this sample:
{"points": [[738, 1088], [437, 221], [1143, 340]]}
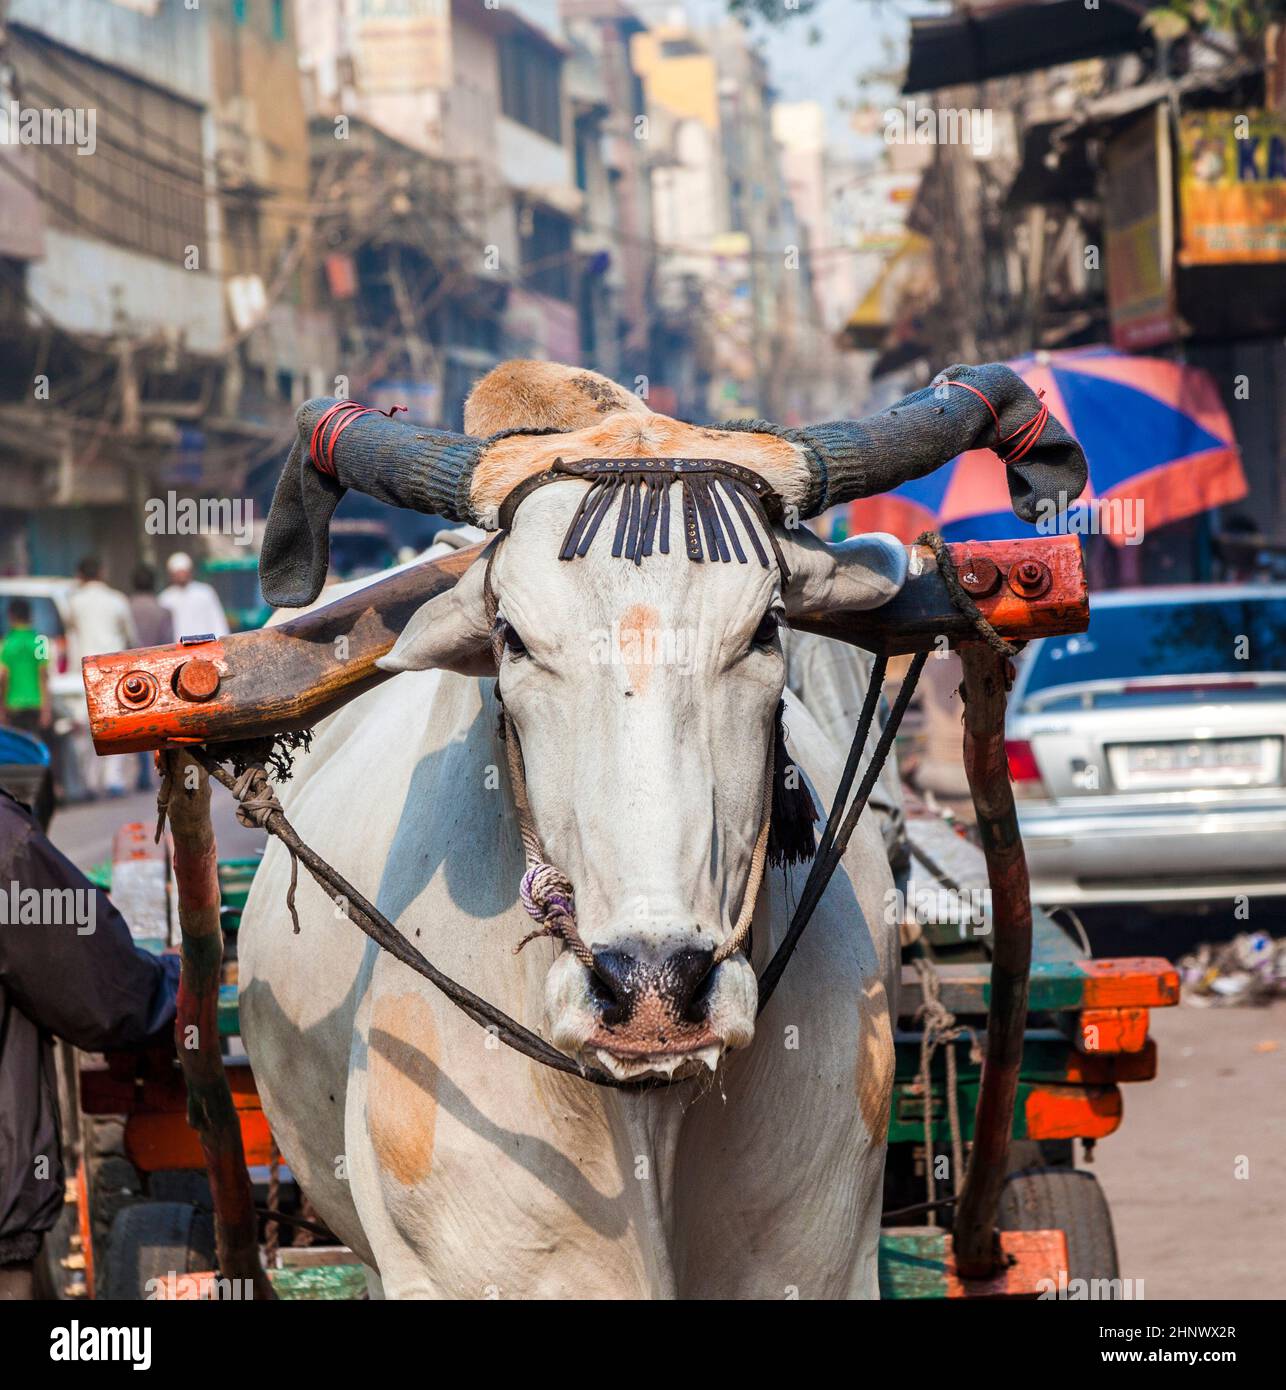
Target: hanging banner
{"points": [[401, 47], [1139, 233], [1232, 187]]}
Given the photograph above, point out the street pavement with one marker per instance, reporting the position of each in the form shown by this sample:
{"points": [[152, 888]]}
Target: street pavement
{"points": [[1196, 1175], [84, 833]]}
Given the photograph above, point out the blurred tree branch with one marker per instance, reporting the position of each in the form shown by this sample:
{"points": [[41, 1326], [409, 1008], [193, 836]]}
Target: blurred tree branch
{"points": [[772, 11]]}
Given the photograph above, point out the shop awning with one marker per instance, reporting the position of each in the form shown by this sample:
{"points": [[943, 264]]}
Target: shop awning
{"points": [[905, 282], [1009, 36]]}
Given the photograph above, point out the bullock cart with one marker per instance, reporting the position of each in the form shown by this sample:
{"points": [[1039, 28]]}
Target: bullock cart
{"points": [[1011, 1041]]}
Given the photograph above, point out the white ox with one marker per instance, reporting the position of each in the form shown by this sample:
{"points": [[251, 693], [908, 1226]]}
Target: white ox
{"points": [[644, 699]]}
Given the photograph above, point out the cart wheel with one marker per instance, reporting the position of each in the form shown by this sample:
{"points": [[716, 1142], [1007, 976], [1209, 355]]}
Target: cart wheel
{"points": [[1066, 1199], [115, 1184], [1040, 1153], [190, 1186], [151, 1240]]}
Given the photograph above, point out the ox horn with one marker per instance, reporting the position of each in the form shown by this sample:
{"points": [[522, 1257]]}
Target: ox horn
{"points": [[848, 459], [406, 465]]}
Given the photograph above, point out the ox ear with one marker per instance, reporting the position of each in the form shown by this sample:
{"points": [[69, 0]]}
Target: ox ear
{"points": [[449, 633], [862, 572]]}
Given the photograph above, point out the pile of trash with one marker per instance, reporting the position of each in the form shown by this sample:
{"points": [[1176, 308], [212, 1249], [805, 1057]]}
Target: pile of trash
{"points": [[1249, 969]]}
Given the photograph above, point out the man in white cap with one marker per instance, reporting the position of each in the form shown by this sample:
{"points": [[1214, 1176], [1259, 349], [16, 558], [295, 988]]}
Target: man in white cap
{"points": [[194, 606]]}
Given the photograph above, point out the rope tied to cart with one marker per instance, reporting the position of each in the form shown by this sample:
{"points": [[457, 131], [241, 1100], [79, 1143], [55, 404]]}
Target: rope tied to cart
{"points": [[939, 1028], [256, 803], [961, 597]]}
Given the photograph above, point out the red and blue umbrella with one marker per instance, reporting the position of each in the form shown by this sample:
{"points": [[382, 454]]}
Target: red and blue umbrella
{"points": [[1154, 432]]}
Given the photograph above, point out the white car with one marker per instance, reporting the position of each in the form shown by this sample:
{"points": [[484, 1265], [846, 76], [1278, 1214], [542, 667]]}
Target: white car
{"points": [[1146, 754]]}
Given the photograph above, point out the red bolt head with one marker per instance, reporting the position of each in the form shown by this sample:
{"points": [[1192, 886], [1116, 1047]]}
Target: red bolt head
{"points": [[979, 577], [137, 689], [198, 679], [1029, 579]]}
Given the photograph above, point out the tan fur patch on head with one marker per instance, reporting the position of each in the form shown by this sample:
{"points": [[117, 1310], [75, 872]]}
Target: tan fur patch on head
{"points": [[525, 395], [508, 461], [634, 637], [401, 1105]]}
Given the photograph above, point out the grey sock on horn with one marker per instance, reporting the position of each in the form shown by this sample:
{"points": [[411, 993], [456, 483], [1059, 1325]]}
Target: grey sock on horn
{"points": [[921, 432], [405, 465]]}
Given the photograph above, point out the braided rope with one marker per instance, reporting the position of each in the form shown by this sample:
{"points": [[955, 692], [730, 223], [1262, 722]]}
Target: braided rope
{"points": [[940, 1029], [961, 597], [736, 939], [256, 802]]}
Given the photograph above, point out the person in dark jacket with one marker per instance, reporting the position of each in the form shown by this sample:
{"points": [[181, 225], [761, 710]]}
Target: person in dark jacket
{"points": [[68, 969]]}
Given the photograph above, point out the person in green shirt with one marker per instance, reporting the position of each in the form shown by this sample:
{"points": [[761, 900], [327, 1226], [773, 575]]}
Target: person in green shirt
{"points": [[24, 672]]}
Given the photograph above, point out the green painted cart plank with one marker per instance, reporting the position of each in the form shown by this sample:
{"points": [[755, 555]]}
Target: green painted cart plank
{"points": [[320, 1282], [1098, 1110], [913, 1264], [229, 1014], [1057, 986], [1047, 1056]]}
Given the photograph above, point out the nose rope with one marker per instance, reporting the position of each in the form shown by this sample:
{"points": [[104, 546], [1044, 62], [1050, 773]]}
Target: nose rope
{"points": [[546, 893], [758, 859]]}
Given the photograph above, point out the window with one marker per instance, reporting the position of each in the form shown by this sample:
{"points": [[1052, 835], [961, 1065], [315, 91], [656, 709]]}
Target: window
{"points": [[1147, 638], [584, 134], [239, 10], [547, 250], [279, 19], [531, 86], [145, 187]]}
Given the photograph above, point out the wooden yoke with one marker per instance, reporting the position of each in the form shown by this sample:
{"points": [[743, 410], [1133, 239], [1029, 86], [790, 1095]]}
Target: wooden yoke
{"points": [[259, 683], [277, 679]]}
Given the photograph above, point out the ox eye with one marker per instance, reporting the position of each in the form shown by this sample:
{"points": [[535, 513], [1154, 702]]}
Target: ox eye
{"points": [[766, 632], [514, 644]]}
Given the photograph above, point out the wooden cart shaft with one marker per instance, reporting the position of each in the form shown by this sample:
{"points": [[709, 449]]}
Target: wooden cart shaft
{"points": [[283, 678]]}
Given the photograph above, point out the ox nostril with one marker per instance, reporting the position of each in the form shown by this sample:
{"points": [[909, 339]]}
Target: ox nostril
{"points": [[615, 983], [685, 979], [680, 983]]}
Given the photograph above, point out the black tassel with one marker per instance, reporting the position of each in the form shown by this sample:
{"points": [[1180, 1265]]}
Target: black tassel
{"points": [[790, 829]]}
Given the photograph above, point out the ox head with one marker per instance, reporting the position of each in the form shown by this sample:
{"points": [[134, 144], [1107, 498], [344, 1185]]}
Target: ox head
{"points": [[645, 700], [644, 695]]}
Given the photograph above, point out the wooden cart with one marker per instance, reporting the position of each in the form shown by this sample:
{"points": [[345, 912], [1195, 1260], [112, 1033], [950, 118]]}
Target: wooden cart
{"points": [[1053, 1061]]}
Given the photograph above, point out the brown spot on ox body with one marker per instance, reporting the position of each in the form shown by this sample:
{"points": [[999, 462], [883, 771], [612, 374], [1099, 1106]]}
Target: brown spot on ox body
{"points": [[401, 1105], [875, 1061]]}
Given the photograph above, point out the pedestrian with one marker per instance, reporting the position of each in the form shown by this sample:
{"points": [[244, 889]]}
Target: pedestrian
{"points": [[76, 975], [154, 627], [194, 606], [100, 622], [24, 673], [153, 622]]}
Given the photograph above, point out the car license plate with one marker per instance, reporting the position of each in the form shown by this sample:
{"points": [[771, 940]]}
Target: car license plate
{"points": [[1200, 762]]}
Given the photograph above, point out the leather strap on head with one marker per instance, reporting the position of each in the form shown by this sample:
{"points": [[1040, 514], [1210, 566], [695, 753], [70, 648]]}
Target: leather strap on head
{"points": [[714, 491], [673, 468]]}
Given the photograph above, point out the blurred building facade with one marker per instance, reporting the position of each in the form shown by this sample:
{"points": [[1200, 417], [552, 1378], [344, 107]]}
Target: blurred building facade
{"points": [[294, 197], [1108, 205], [157, 306]]}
